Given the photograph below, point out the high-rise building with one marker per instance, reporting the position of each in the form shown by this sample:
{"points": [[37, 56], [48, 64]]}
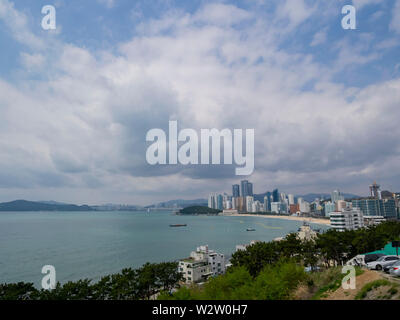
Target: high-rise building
{"points": [[250, 189], [329, 207], [256, 206], [347, 219], [235, 191], [240, 204], [276, 207], [341, 204], [212, 201], [220, 202], [266, 204], [336, 196], [377, 207], [294, 208], [304, 206], [375, 190], [244, 191], [275, 195], [249, 203], [291, 199]]}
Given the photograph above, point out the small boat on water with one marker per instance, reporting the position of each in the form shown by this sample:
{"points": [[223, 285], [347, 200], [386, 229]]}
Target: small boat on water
{"points": [[250, 229], [177, 225]]}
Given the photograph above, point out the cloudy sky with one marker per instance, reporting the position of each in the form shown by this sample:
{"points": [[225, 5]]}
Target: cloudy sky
{"points": [[76, 102]]}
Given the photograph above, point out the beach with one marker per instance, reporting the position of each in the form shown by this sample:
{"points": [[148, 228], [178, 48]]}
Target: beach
{"points": [[293, 218]]}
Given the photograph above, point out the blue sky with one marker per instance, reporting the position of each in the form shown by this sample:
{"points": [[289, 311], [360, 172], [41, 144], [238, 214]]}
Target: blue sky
{"points": [[77, 102]]}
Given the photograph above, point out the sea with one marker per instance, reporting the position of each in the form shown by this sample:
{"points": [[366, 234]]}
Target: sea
{"points": [[89, 245]]}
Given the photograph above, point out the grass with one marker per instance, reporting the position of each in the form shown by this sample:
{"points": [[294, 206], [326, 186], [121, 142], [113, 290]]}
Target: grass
{"points": [[374, 285], [328, 281]]}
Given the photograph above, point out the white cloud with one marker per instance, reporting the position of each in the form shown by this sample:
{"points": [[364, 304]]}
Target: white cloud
{"points": [[319, 38], [32, 61], [296, 11], [17, 24]]}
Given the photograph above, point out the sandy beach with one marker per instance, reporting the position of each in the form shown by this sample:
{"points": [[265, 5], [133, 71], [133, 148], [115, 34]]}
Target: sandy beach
{"points": [[305, 219]]}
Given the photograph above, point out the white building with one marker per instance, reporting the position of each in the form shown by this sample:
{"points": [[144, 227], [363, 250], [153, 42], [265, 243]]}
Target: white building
{"points": [[304, 206], [329, 207], [291, 199], [202, 264], [276, 207], [373, 220], [244, 246], [256, 206], [306, 233], [212, 201], [347, 219], [266, 204], [249, 203]]}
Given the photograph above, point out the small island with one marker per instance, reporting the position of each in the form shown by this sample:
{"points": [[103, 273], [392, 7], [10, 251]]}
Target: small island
{"points": [[198, 210]]}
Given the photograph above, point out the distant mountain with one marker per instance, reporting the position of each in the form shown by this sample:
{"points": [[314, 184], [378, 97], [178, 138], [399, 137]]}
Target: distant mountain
{"points": [[23, 205], [180, 203], [53, 202]]}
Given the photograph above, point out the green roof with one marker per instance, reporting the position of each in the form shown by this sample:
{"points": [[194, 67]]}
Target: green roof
{"points": [[387, 250]]}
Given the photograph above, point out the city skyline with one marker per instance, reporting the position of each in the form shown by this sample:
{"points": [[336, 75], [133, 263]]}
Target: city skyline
{"points": [[77, 101]]}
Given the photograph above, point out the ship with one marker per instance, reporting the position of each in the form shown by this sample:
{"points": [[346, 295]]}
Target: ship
{"points": [[250, 229], [177, 225]]}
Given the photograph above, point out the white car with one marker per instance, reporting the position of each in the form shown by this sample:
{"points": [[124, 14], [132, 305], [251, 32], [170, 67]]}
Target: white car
{"points": [[382, 262]]}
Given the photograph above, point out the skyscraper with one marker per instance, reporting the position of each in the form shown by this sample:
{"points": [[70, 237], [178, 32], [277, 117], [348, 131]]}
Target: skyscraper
{"points": [[235, 191], [275, 196], [249, 203], [220, 202], [336, 196], [266, 204], [250, 188], [244, 185], [212, 203], [291, 199]]}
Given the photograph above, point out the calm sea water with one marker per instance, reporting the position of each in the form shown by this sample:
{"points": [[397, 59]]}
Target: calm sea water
{"points": [[92, 244]]}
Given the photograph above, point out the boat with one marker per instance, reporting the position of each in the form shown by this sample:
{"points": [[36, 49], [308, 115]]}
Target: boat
{"points": [[177, 225], [250, 229]]}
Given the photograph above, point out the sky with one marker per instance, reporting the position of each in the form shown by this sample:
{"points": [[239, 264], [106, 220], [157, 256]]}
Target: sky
{"points": [[76, 102]]}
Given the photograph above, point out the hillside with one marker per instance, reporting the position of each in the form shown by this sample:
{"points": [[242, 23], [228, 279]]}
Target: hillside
{"points": [[23, 205], [196, 210]]}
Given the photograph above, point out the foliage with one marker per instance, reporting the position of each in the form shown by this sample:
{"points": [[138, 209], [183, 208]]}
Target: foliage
{"points": [[330, 246], [130, 284], [374, 285], [199, 210], [275, 282]]}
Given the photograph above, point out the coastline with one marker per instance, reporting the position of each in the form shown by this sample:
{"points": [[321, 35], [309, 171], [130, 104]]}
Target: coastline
{"points": [[293, 218]]}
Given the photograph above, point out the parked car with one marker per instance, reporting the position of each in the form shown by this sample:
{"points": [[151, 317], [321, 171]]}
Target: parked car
{"points": [[386, 269], [356, 261], [395, 269], [382, 262], [372, 257]]}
